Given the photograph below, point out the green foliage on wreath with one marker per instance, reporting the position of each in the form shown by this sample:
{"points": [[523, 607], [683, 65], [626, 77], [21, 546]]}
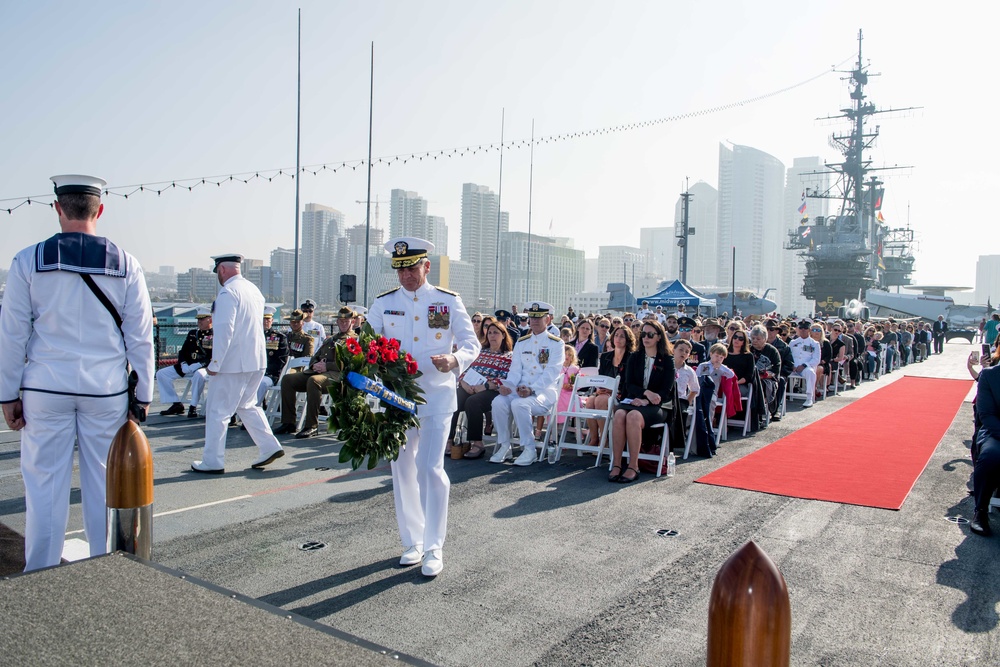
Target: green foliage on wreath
{"points": [[364, 433]]}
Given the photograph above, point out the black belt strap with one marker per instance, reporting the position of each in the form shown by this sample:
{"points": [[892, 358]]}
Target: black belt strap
{"points": [[103, 298]]}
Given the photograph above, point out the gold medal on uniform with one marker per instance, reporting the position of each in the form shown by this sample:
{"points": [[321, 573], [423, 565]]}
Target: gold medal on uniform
{"points": [[543, 356]]}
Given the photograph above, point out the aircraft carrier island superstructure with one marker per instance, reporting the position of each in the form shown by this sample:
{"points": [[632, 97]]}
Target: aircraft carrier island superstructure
{"points": [[854, 250]]}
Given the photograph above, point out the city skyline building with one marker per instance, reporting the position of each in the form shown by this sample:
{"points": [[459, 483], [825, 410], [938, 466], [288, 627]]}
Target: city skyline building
{"points": [[987, 280], [321, 254], [283, 262], [197, 285], [703, 245], [799, 176], [480, 241], [619, 264], [751, 219], [657, 245], [557, 271]]}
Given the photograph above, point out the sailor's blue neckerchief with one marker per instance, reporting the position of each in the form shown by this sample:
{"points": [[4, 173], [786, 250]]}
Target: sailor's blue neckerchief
{"points": [[80, 253]]}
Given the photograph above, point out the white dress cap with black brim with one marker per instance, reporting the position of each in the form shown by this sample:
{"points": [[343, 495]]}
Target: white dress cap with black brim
{"points": [[537, 309], [407, 250], [203, 312], [231, 257], [71, 184], [269, 311]]}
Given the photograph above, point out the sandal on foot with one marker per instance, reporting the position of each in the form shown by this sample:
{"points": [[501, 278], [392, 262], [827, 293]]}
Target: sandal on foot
{"points": [[612, 477], [628, 480], [475, 451]]}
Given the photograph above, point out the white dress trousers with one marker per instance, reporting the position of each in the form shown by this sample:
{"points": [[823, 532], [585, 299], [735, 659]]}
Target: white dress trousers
{"points": [[522, 409], [166, 376], [809, 373], [52, 421], [421, 484], [229, 393]]}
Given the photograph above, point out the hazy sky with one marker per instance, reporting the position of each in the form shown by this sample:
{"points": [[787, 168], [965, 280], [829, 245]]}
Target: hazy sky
{"points": [[139, 92]]}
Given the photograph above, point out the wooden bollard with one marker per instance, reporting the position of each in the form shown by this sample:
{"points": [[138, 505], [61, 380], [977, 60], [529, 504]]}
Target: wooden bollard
{"points": [[749, 615], [130, 492]]}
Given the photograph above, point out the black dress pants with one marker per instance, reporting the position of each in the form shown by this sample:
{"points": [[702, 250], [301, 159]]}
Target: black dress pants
{"points": [[986, 472], [475, 407]]}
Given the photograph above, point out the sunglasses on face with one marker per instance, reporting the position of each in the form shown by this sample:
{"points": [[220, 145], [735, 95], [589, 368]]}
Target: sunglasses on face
{"points": [[602, 326], [685, 329], [739, 337], [629, 320], [649, 334], [816, 330], [636, 325], [475, 321]]}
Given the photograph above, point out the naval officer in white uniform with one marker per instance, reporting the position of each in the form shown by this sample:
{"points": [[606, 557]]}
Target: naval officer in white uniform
{"points": [[74, 384], [432, 325], [806, 354], [531, 387], [239, 359]]}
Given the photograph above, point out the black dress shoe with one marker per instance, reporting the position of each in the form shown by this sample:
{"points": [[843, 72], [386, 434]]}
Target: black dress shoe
{"points": [[206, 471], [284, 429], [175, 409], [307, 432], [193, 412], [980, 523], [232, 421]]}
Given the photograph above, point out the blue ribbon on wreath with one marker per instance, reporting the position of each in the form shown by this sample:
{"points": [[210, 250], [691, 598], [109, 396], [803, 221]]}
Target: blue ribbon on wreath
{"points": [[381, 392]]}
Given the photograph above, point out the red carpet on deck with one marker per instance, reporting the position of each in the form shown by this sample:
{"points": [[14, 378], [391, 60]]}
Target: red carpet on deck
{"points": [[870, 452]]}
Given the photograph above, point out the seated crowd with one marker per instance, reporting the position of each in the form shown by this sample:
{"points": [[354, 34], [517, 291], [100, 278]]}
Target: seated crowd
{"points": [[670, 368]]}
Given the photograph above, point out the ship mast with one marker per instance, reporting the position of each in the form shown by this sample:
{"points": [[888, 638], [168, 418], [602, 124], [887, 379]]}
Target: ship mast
{"points": [[845, 253]]}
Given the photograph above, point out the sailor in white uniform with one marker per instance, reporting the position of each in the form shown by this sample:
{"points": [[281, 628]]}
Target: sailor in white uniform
{"points": [[431, 324], [74, 385], [531, 387], [239, 360], [806, 354]]}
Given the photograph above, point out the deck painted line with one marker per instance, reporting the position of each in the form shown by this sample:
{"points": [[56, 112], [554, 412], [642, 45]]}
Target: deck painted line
{"points": [[185, 509]]}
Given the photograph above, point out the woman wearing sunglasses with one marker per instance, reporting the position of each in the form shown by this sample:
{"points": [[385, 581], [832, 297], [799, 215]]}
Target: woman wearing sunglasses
{"points": [[649, 386], [740, 360]]}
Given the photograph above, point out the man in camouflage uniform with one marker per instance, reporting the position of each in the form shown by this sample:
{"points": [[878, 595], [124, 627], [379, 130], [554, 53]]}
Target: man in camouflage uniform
{"points": [[314, 380]]}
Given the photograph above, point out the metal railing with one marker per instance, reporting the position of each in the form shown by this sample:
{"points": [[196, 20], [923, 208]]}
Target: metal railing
{"points": [[168, 339]]}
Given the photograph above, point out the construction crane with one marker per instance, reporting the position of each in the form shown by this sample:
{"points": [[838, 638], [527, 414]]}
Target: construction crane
{"points": [[375, 201]]}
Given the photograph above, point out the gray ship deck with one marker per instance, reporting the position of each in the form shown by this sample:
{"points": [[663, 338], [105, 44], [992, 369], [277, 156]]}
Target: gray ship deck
{"points": [[552, 565]]}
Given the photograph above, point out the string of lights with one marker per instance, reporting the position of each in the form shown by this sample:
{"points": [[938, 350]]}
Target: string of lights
{"points": [[189, 184]]}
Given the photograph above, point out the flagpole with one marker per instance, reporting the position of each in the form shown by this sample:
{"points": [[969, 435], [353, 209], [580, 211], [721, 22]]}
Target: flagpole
{"points": [[496, 265], [368, 199], [298, 152], [531, 180]]}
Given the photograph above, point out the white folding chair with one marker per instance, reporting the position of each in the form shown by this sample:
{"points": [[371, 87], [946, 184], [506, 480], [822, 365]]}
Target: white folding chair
{"points": [[745, 422], [689, 437], [273, 395], [577, 412], [664, 444], [796, 387]]}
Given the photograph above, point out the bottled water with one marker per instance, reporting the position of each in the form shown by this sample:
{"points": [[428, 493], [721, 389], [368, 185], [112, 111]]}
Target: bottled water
{"points": [[671, 464], [553, 450]]}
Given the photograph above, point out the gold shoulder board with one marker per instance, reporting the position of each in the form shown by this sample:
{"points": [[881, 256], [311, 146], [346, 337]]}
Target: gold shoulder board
{"points": [[446, 291], [384, 293]]}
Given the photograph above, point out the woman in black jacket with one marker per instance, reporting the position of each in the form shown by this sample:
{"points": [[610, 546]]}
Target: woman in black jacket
{"points": [[587, 352], [649, 385]]}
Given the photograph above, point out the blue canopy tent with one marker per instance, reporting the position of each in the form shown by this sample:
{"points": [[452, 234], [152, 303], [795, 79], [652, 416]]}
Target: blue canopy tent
{"points": [[679, 294]]}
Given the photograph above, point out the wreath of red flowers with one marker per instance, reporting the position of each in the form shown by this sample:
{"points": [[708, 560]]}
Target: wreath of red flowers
{"points": [[366, 433]]}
